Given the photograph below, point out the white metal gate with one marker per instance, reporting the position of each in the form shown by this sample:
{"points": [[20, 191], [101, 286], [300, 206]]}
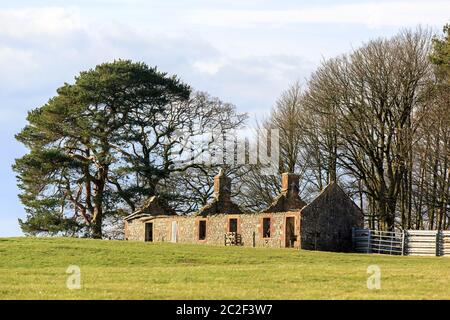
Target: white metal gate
{"points": [[374, 241]]}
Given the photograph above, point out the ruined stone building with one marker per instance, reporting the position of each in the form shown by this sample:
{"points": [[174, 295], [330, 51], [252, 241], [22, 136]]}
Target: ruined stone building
{"points": [[324, 224]]}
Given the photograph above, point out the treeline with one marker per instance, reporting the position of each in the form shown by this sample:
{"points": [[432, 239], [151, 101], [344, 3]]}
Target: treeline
{"points": [[376, 120]]}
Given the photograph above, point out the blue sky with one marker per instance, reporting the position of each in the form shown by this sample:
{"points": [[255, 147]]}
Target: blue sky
{"points": [[244, 52]]}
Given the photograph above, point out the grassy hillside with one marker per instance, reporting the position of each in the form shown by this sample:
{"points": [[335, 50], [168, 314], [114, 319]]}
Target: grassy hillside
{"points": [[32, 268]]}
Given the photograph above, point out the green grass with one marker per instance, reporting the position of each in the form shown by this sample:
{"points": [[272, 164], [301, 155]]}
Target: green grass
{"points": [[34, 268]]}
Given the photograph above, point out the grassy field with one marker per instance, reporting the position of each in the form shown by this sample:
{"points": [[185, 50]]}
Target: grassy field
{"points": [[35, 268]]}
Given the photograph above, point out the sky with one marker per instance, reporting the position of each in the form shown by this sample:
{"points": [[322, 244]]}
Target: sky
{"points": [[244, 52]]}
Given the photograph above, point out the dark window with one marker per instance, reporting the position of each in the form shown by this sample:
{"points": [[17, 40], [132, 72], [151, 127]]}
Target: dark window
{"points": [[202, 230], [232, 227], [266, 227], [149, 232]]}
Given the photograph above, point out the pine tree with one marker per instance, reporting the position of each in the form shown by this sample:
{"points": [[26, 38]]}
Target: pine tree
{"points": [[76, 142]]}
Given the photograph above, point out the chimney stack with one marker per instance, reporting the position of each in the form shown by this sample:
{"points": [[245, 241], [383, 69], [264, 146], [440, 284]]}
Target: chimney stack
{"points": [[289, 199], [222, 187], [290, 184]]}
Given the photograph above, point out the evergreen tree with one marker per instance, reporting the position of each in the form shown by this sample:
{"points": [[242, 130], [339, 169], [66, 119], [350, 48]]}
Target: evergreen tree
{"points": [[77, 141]]}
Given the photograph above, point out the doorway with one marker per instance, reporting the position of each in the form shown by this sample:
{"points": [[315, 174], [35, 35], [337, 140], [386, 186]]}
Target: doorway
{"points": [[149, 232], [174, 232], [290, 236], [202, 230]]}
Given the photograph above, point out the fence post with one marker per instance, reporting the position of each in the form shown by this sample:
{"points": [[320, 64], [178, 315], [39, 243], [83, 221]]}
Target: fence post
{"points": [[438, 243], [379, 241], [254, 239], [392, 239], [353, 239], [368, 241], [403, 242]]}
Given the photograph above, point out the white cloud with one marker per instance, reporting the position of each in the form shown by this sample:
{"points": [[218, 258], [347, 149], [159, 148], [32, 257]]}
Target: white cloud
{"points": [[42, 48], [50, 21], [400, 13], [9, 57], [209, 66], [253, 83], [42, 56]]}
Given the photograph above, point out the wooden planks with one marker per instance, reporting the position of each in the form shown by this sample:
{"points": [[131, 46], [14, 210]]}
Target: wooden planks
{"points": [[421, 242], [233, 239]]}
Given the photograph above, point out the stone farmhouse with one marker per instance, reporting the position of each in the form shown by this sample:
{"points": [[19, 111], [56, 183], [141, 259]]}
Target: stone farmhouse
{"points": [[324, 224]]}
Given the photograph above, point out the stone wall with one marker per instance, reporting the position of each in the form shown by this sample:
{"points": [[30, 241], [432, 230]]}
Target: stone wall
{"points": [[249, 226], [134, 230], [327, 222]]}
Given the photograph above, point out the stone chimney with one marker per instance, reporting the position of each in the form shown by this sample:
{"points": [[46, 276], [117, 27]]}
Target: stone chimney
{"points": [[222, 198], [289, 198], [222, 187], [290, 185]]}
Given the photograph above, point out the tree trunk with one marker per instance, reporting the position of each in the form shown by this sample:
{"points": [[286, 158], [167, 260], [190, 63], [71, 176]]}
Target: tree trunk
{"points": [[98, 203], [97, 228]]}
